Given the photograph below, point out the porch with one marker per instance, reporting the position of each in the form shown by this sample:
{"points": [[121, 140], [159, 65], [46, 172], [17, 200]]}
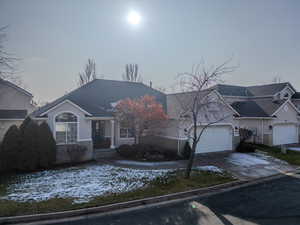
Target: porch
{"points": [[103, 134]]}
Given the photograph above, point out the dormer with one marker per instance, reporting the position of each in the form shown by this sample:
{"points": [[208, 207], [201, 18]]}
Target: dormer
{"points": [[285, 94]]}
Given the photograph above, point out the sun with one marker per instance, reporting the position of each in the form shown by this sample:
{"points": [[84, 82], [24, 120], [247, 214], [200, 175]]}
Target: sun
{"points": [[134, 18]]}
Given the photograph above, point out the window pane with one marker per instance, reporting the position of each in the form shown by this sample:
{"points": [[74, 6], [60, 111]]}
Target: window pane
{"points": [[60, 133], [130, 133], [123, 132], [72, 133], [66, 117]]}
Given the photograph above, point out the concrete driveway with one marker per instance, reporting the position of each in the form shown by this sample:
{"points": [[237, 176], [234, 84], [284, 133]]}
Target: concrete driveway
{"points": [[243, 166]]}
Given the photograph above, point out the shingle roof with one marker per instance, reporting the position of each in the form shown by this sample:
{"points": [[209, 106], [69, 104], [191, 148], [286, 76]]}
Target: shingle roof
{"points": [[13, 114], [251, 91], [96, 97], [8, 83], [257, 107], [296, 95]]}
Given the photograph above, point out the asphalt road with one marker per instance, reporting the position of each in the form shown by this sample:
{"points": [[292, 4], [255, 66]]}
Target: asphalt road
{"points": [[275, 202]]}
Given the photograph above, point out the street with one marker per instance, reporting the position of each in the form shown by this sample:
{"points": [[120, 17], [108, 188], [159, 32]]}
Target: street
{"points": [[273, 202]]}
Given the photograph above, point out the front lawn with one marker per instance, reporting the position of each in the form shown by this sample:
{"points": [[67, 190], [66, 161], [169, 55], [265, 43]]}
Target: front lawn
{"points": [[32, 197], [292, 157]]}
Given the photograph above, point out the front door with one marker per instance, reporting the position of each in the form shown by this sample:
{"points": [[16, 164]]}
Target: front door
{"points": [[98, 134]]}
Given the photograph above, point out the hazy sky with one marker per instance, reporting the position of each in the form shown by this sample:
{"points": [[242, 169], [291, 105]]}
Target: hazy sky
{"points": [[55, 39]]}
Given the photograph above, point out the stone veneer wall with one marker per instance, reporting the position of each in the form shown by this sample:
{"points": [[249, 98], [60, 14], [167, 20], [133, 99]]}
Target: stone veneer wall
{"points": [[62, 155]]}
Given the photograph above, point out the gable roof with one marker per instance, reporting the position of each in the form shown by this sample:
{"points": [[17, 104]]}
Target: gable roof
{"points": [[257, 107], [97, 96], [252, 91], [13, 114], [10, 84]]}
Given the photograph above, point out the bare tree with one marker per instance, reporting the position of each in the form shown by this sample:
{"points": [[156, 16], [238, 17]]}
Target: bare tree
{"points": [[277, 79], [89, 73], [199, 105], [7, 61], [132, 73]]}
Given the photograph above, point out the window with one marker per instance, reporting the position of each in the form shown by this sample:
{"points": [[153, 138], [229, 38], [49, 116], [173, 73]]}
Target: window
{"points": [[125, 132], [66, 128]]}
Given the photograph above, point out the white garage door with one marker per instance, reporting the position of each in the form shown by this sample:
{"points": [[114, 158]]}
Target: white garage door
{"points": [[285, 134], [215, 139]]}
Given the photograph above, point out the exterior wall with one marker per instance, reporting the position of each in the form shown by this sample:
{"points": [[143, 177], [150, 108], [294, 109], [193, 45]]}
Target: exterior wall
{"points": [[260, 126], [20, 101], [84, 126], [84, 132], [6, 124], [62, 155], [121, 141]]}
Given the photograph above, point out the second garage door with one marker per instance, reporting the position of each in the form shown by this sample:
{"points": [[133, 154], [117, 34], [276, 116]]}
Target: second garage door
{"points": [[285, 134], [215, 139]]}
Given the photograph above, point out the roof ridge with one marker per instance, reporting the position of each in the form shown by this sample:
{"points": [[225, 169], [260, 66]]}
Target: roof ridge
{"points": [[269, 84]]}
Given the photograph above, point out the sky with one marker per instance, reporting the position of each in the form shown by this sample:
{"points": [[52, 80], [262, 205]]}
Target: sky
{"points": [[54, 39]]}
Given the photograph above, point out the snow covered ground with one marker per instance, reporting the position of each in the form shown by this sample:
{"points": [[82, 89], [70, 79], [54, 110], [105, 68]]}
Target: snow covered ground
{"points": [[81, 183], [255, 165], [246, 160]]}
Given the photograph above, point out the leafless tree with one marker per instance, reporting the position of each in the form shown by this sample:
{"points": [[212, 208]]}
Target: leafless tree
{"points": [[277, 79], [89, 73], [199, 104], [132, 73], [7, 61]]}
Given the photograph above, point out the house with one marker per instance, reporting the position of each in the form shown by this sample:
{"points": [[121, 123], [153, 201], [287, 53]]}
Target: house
{"points": [[15, 104], [86, 117], [270, 111]]}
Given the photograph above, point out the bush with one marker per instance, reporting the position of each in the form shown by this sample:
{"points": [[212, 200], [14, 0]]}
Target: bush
{"points": [[10, 149], [46, 146], [245, 147], [30, 146], [146, 152], [76, 152]]}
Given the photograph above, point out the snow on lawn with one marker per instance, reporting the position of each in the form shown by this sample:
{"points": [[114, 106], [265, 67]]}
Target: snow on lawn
{"points": [[246, 160], [80, 183], [213, 169]]}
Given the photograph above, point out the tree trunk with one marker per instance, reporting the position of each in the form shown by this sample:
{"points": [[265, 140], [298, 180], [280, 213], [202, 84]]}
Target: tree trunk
{"points": [[190, 162]]}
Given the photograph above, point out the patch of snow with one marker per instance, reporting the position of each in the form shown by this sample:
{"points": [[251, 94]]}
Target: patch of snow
{"points": [[79, 183], [295, 149], [210, 169], [246, 160], [137, 163]]}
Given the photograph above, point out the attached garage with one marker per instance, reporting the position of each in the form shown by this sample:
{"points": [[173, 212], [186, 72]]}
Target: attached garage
{"points": [[285, 134], [215, 138]]}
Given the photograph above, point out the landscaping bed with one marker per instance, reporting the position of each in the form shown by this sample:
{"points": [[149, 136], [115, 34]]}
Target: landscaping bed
{"points": [[95, 185], [291, 157]]}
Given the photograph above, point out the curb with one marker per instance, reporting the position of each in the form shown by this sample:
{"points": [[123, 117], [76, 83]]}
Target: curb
{"points": [[207, 191]]}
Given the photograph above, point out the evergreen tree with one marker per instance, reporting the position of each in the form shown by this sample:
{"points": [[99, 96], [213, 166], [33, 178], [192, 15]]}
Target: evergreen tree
{"points": [[46, 146], [10, 149], [30, 149]]}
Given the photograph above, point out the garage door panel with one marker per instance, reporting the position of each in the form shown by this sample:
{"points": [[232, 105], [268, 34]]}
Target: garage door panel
{"points": [[285, 134], [215, 139]]}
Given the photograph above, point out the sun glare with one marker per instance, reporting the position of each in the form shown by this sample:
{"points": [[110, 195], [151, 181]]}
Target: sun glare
{"points": [[134, 18]]}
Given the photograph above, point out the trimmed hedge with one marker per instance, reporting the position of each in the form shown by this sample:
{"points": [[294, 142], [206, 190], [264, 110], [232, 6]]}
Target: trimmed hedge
{"points": [[29, 148]]}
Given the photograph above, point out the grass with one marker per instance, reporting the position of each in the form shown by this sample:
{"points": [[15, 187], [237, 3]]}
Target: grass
{"points": [[173, 182], [292, 157]]}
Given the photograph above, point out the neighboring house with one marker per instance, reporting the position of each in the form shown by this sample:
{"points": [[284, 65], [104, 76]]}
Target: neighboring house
{"points": [[270, 111], [15, 105], [85, 116]]}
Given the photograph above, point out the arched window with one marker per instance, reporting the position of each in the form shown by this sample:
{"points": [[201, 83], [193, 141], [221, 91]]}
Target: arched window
{"points": [[66, 128]]}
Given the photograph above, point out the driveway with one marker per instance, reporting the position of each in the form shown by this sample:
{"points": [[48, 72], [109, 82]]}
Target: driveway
{"points": [[243, 166], [274, 202]]}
